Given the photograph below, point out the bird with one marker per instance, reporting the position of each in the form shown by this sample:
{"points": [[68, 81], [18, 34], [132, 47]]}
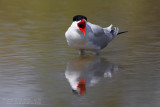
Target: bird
{"points": [[85, 36], [87, 71]]}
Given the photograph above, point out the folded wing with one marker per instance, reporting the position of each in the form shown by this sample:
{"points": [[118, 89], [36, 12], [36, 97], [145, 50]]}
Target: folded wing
{"points": [[102, 36]]}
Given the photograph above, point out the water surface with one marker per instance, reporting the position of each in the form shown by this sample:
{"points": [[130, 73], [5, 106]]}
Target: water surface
{"points": [[34, 55]]}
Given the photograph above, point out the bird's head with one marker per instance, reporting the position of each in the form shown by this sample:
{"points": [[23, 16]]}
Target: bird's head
{"points": [[81, 87], [79, 22]]}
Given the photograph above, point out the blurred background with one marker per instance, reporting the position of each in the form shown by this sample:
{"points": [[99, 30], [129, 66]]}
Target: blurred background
{"points": [[34, 55]]}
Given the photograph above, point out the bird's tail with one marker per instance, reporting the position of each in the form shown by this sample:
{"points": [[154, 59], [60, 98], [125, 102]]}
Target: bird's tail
{"points": [[115, 31]]}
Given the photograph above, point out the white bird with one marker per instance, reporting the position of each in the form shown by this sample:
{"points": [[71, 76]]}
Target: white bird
{"points": [[86, 71], [83, 35]]}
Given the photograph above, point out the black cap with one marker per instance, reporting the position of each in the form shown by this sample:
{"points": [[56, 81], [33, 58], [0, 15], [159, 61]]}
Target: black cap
{"points": [[79, 17]]}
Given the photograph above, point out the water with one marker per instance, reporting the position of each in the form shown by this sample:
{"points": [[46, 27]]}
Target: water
{"points": [[35, 58]]}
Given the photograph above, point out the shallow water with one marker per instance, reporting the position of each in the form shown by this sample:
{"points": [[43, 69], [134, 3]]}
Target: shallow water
{"points": [[37, 66]]}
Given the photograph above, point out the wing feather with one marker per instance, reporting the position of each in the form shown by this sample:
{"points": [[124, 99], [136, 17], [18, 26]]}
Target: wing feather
{"points": [[99, 38]]}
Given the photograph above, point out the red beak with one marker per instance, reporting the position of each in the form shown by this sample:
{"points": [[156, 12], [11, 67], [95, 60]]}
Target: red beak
{"points": [[81, 86], [82, 25]]}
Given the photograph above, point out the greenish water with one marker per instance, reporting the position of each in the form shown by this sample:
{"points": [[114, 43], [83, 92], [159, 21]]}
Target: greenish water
{"points": [[34, 55]]}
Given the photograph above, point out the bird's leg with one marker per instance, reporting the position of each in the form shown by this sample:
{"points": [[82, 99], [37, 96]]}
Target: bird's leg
{"points": [[81, 52]]}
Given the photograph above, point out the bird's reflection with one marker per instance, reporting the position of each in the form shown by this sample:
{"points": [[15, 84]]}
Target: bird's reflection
{"points": [[84, 71]]}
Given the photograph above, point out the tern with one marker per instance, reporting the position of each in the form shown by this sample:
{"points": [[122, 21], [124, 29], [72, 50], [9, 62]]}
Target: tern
{"points": [[87, 71], [85, 36]]}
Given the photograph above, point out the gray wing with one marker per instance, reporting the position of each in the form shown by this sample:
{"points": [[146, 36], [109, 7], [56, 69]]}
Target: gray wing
{"points": [[97, 30], [102, 36]]}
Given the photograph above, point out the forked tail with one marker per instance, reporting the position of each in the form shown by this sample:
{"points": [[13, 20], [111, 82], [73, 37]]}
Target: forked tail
{"points": [[114, 31]]}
